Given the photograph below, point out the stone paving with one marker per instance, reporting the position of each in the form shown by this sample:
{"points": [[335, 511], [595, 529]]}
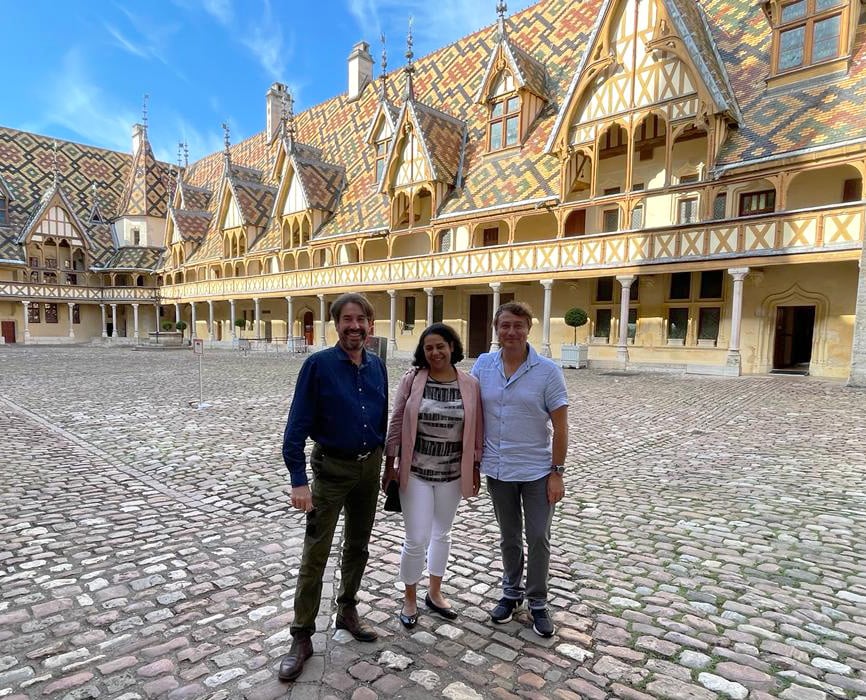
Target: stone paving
{"points": [[712, 544]]}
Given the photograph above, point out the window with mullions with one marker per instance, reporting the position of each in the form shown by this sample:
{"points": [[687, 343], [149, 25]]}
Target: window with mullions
{"points": [[763, 202], [34, 313], [504, 129], [51, 313], [687, 210], [4, 211], [808, 32], [76, 314]]}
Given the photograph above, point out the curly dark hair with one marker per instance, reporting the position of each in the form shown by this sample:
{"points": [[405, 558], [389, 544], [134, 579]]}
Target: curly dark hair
{"points": [[449, 335]]}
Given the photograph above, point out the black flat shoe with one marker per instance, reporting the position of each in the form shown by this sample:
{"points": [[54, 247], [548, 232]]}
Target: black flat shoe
{"points": [[447, 613], [408, 621]]}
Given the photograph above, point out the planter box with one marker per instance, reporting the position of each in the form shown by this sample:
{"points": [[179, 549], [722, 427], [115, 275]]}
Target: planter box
{"points": [[574, 356], [167, 338]]}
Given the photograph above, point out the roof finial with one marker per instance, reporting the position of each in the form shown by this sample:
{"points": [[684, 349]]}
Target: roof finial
{"points": [[179, 152], [289, 103], [227, 141], [501, 9], [409, 69], [185, 153], [93, 193], [383, 90], [144, 112]]}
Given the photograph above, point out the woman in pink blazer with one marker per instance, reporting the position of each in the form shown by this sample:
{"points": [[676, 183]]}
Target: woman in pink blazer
{"points": [[436, 437]]}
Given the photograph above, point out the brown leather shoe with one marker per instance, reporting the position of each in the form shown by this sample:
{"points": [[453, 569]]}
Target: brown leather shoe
{"points": [[292, 663], [360, 630]]}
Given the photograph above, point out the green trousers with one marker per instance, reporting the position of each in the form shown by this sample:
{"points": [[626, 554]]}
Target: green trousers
{"points": [[338, 485]]}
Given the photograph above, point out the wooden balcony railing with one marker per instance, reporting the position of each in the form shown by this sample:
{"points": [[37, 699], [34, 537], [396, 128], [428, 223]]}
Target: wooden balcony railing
{"points": [[32, 291]]}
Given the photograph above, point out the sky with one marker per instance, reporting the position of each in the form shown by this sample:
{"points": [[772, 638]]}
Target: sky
{"points": [[78, 70]]}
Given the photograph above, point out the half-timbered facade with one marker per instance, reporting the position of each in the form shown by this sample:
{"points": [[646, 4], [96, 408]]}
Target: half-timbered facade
{"points": [[687, 171]]}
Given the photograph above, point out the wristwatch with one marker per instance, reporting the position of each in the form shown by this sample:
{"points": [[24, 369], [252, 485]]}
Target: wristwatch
{"points": [[558, 469]]}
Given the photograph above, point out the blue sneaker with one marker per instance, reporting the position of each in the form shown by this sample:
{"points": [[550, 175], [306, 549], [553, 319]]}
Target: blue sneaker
{"points": [[504, 610], [541, 622]]}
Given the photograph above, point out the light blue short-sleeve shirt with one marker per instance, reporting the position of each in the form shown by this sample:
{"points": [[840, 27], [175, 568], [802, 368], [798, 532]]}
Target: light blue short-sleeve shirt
{"points": [[518, 433]]}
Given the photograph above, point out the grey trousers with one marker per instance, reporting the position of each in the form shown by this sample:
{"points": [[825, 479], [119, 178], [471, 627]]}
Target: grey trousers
{"points": [[515, 502]]}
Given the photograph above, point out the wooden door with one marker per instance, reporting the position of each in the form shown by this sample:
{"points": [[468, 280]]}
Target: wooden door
{"points": [[8, 331], [308, 327]]}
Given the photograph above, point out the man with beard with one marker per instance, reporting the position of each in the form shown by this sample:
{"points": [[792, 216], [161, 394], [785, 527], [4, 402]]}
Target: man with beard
{"points": [[341, 403]]}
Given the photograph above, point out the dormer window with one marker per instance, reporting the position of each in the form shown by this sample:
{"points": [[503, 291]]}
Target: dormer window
{"points": [[381, 156], [4, 210], [504, 128], [808, 33]]}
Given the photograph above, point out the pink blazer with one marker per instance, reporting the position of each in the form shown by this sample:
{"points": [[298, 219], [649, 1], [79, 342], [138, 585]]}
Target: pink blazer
{"points": [[403, 426]]}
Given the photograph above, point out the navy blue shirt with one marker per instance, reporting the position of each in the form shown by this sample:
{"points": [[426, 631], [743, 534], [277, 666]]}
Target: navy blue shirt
{"points": [[340, 405]]}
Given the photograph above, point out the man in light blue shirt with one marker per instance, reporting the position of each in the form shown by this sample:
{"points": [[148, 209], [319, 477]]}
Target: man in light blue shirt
{"points": [[525, 443]]}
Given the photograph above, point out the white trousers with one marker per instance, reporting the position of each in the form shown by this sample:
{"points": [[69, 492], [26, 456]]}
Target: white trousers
{"points": [[428, 512]]}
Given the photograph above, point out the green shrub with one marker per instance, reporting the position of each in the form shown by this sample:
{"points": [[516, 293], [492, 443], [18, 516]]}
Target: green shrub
{"points": [[575, 317]]}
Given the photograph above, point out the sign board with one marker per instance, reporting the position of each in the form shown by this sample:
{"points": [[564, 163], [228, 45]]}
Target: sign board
{"points": [[198, 346]]}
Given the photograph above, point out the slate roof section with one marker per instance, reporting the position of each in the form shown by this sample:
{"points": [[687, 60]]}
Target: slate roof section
{"points": [[135, 258]]}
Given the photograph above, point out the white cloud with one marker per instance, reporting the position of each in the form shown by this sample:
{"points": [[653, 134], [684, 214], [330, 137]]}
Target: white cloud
{"points": [[221, 10], [77, 104], [126, 44], [436, 23], [261, 35], [264, 39]]}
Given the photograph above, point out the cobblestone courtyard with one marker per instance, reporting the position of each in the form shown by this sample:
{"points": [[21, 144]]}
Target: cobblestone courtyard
{"points": [[712, 543]]}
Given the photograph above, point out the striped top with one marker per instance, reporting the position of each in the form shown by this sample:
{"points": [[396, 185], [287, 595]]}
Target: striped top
{"points": [[439, 440]]}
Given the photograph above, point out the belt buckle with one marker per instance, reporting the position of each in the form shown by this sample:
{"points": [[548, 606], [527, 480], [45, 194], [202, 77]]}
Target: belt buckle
{"points": [[362, 457]]}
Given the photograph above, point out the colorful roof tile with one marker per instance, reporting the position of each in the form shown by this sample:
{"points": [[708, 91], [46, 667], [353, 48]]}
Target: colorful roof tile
{"points": [[135, 258]]}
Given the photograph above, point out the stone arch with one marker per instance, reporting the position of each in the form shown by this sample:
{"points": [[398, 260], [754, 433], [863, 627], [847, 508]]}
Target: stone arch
{"points": [[818, 187], [611, 147], [795, 295]]}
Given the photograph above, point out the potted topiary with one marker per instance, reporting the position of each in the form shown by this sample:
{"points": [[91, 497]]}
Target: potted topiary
{"points": [[181, 326], [575, 355]]}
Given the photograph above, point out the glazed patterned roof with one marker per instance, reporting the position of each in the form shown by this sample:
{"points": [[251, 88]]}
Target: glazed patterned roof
{"points": [[196, 198], [191, 224], [27, 166], [800, 116], [135, 258], [527, 71], [322, 182], [730, 41], [147, 187]]}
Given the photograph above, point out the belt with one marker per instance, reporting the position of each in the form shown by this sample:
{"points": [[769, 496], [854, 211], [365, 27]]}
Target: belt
{"points": [[343, 454]]}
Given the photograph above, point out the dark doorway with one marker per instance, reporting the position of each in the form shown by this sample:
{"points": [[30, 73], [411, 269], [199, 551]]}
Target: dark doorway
{"points": [[481, 321], [308, 327], [8, 330], [792, 348]]}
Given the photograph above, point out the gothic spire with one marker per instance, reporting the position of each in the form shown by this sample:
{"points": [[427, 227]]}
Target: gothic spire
{"points": [[501, 9], [227, 156], [383, 78], [408, 91], [144, 114]]}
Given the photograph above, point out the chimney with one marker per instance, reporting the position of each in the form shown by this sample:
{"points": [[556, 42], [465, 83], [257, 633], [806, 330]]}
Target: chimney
{"points": [[360, 69], [274, 101], [138, 137]]}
